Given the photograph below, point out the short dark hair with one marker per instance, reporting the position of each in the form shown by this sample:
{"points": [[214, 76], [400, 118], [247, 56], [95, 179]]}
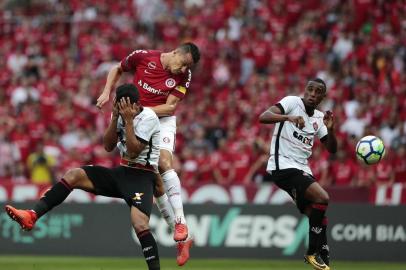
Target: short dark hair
{"points": [[318, 80], [128, 90], [191, 48]]}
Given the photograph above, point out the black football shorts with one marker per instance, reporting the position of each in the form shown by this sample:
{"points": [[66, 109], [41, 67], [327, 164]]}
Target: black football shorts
{"points": [[294, 182], [134, 185]]}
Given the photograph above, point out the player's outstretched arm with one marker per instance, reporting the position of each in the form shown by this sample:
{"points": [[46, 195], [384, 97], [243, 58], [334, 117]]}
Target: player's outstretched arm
{"points": [[110, 135], [112, 78], [275, 115]]}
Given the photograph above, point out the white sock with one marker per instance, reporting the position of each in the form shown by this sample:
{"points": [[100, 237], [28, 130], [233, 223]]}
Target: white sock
{"points": [[173, 189], [166, 210]]}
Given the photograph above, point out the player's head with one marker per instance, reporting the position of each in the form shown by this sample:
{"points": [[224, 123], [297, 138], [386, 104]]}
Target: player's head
{"points": [[183, 58], [315, 92], [128, 90]]}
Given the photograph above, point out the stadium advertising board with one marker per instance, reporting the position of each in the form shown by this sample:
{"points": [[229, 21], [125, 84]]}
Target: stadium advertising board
{"points": [[234, 194], [376, 233]]}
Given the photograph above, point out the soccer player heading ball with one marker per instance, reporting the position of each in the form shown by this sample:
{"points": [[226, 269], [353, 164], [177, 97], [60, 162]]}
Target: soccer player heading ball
{"points": [[297, 123], [135, 131], [163, 79]]}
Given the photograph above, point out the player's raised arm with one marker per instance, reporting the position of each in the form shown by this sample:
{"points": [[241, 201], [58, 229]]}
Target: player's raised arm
{"points": [[112, 78], [329, 141], [276, 114], [110, 135]]}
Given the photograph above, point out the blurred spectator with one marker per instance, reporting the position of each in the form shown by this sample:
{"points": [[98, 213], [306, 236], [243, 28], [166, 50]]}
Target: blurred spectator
{"points": [[41, 166], [384, 170], [355, 125], [343, 46], [10, 155], [390, 131], [17, 60], [399, 164], [320, 166], [343, 170], [365, 176], [223, 164], [257, 171], [25, 92]]}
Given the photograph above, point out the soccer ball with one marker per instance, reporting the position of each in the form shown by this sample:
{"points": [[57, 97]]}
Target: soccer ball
{"points": [[370, 150]]}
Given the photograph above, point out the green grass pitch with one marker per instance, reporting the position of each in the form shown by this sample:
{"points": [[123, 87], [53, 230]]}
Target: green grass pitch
{"points": [[86, 263]]}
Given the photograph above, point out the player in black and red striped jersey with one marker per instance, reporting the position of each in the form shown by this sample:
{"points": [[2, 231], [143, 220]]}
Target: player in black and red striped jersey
{"points": [[163, 79]]}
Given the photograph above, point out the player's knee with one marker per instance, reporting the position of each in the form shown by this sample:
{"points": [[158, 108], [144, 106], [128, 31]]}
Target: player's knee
{"points": [[141, 227], [74, 176], [140, 224], [323, 198], [159, 189], [165, 164]]}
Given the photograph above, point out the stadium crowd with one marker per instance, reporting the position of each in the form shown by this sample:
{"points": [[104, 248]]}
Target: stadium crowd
{"points": [[54, 56]]}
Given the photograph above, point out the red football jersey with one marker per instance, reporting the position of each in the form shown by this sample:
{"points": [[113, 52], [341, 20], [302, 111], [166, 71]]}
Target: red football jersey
{"points": [[153, 81]]}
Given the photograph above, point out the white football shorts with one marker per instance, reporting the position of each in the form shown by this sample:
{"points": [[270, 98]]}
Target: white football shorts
{"points": [[168, 133]]}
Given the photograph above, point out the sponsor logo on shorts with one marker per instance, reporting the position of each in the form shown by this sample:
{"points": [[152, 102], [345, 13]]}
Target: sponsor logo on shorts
{"points": [[170, 83], [166, 140], [137, 196]]}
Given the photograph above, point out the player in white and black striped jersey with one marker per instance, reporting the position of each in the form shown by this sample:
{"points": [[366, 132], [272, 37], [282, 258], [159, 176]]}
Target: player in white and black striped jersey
{"points": [[298, 122], [136, 132]]}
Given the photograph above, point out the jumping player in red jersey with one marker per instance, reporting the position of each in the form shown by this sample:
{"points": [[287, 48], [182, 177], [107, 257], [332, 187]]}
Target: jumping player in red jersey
{"points": [[163, 79]]}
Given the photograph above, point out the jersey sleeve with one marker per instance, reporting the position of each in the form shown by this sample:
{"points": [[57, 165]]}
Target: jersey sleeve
{"points": [[322, 132], [146, 127], [130, 62], [288, 104], [181, 89]]}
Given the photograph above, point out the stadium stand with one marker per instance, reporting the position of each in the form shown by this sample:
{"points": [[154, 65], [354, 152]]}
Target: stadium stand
{"points": [[54, 56]]}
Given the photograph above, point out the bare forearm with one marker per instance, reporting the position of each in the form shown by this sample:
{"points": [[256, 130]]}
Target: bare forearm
{"points": [[110, 136], [112, 78], [269, 117], [134, 146], [164, 110]]}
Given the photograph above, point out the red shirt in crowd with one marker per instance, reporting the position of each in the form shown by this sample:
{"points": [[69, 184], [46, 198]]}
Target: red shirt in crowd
{"points": [[343, 172], [383, 171], [399, 166]]}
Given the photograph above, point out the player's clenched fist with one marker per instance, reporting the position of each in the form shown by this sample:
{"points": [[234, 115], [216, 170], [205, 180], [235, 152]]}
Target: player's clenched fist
{"points": [[297, 120]]}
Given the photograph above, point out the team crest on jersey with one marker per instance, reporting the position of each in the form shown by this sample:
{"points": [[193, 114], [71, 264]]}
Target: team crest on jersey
{"points": [[315, 126], [151, 65], [170, 83]]}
